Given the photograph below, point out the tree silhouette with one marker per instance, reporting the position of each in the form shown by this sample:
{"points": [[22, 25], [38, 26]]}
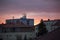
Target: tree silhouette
{"points": [[41, 28]]}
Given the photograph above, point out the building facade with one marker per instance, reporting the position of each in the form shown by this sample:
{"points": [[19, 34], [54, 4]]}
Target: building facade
{"points": [[22, 20], [50, 25], [16, 32], [17, 29]]}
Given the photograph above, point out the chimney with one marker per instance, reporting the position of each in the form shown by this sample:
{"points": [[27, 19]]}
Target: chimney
{"points": [[48, 19]]}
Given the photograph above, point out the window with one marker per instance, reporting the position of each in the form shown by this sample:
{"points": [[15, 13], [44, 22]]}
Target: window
{"points": [[12, 29]]}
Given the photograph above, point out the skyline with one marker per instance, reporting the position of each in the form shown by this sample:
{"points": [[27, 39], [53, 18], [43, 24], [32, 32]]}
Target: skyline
{"points": [[37, 9]]}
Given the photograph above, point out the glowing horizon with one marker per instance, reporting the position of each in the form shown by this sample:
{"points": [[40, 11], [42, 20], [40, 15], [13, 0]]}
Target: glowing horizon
{"points": [[37, 9], [32, 16]]}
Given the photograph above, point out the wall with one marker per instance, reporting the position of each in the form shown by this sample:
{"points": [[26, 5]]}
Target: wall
{"points": [[49, 26], [25, 21], [13, 36]]}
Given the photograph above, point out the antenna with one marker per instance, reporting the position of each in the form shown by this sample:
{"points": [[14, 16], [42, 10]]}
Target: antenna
{"points": [[24, 15], [13, 17], [13, 20]]}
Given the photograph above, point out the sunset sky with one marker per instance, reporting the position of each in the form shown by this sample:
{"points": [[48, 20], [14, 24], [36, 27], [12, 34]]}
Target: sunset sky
{"points": [[37, 9]]}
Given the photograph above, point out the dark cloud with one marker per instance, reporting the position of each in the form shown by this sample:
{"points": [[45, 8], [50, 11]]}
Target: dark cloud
{"points": [[30, 5], [34, 8]]}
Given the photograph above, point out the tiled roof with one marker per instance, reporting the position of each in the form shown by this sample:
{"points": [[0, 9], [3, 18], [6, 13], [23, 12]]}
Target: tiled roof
{"points": [[16, 25]]}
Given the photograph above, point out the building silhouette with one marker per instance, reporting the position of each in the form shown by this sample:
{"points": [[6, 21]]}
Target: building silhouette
{"points": [[17, 29]]}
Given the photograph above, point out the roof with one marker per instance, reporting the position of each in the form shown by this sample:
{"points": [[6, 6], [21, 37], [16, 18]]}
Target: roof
{"points": [[15, 25], [51, 20], [20, 19]]}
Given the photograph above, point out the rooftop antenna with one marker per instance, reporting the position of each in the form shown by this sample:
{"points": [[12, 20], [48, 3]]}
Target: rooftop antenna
{"points": [[24, 14], [13, 17]]}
